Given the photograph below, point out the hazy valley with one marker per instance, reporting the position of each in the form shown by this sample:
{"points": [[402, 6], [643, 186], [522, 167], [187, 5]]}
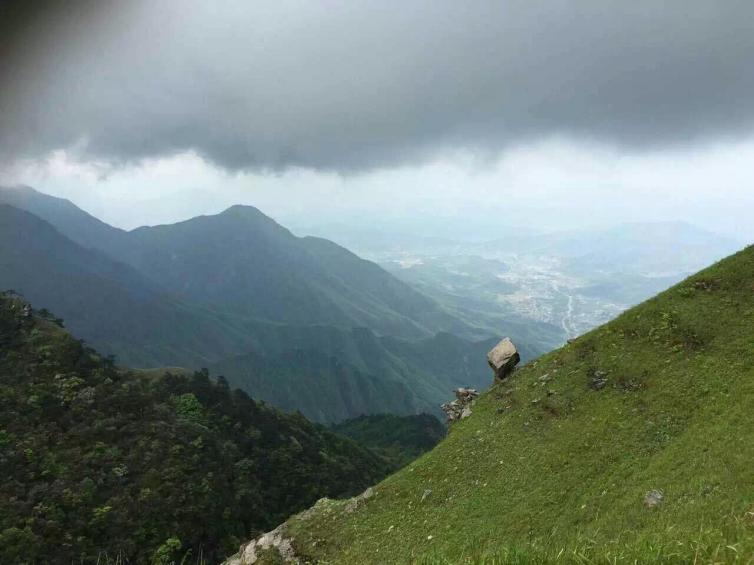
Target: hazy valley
{"points": [[561, 283]]}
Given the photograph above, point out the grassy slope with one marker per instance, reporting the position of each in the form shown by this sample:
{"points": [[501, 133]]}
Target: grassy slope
{"points": [[532, 477]]}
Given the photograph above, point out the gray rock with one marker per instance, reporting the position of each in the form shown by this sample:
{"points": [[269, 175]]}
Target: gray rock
{"points": [[503, 358], [598, 380], [459, 408], [598, 384], [466, 395], [653, 498], [251, 552], [357, 502]]}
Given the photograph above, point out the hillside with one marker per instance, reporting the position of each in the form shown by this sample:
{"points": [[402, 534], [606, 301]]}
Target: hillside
{"points": [[630, 444], [327, 373], [331, 374], [240, 294], [243, 262], [68, 219], [102, 465], [108, 303], [397, 439]]}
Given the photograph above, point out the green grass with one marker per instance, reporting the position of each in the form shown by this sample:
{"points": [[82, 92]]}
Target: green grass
{"points": [[548, 469]]}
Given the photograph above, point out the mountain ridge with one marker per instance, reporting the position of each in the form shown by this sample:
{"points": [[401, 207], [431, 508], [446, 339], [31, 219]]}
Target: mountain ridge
{"points": [[181, 299]]}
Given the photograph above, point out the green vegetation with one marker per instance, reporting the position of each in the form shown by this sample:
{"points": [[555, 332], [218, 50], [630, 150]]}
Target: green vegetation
{"points": [[105, 465], [555, 463], [398, 439], [331, 374], [299, 322]]}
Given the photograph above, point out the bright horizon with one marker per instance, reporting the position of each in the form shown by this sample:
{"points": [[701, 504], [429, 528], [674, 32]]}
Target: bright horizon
{"points": [[145, 113]]}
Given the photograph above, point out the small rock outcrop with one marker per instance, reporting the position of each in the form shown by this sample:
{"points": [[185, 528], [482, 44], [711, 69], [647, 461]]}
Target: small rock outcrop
{"points": [[274, 540], [279, 540], [598, 380], [503, 358], [653, 498], [460, 408], [353, 504]]}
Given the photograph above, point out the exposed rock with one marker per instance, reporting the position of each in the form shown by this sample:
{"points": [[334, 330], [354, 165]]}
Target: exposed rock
{"points": [[460, 408], [320, 505], [452, 411], [278, 539], [653, 498], [503, 358], [354, 503], [598, 380], [252, 551], [466, 395]]}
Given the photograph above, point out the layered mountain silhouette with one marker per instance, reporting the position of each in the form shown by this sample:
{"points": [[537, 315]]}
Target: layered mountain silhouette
{"points": [[301, 322]]}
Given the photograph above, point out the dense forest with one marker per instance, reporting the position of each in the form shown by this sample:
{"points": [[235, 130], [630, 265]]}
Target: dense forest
{"points": [[398, 439], [102, 464]]}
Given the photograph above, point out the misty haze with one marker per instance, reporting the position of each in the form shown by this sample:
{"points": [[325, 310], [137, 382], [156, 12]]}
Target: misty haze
{"points": [[428, 283]]}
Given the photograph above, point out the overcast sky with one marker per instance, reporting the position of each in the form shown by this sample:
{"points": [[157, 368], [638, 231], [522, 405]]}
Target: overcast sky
{"points": [[546, 114]]}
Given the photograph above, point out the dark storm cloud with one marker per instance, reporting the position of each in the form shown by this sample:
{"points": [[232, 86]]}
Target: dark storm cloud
{"points": [[358, 85]]}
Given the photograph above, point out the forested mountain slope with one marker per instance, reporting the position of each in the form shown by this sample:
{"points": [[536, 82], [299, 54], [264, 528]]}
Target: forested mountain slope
{"points": [[103, 465], [631, 444], [300, 322], [332, 374], [400, 440]]}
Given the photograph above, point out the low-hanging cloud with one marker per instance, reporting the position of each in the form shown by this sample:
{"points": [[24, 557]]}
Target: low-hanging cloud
{"points": [[360, 85]]}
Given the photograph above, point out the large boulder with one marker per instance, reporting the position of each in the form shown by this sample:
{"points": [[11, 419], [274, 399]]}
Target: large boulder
{"points": [[503, 358]]}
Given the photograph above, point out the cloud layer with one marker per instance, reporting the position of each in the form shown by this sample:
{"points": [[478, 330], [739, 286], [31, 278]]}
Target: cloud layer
{"points": [[362, 85]]}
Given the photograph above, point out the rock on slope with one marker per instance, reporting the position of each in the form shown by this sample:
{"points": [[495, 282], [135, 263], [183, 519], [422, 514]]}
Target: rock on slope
{"points": [[654, 464]]}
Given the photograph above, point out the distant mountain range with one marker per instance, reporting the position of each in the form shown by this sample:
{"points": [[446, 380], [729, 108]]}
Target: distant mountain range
{"points": [[654, 248], [543, 287], [648, 248], [300, 322], [244, 263]]}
